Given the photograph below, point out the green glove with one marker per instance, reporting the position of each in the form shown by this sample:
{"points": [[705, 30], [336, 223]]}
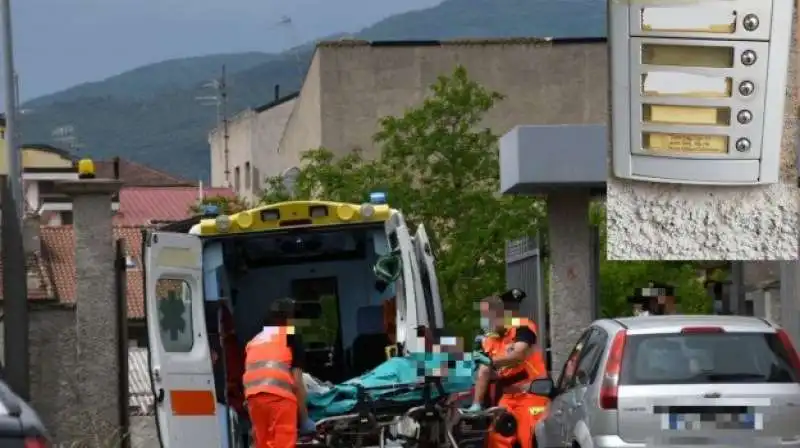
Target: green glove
{"points": [[481, 358]]}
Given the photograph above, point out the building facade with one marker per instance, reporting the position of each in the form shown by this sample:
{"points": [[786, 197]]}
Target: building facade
{"points": [[351, 84]]}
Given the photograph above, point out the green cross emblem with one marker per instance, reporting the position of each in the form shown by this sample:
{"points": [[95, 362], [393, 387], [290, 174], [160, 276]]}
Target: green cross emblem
{"points": [[171, 310]]}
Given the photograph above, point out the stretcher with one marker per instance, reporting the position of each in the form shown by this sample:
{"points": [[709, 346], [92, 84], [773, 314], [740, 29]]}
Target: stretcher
{"points": [[395, 406]]}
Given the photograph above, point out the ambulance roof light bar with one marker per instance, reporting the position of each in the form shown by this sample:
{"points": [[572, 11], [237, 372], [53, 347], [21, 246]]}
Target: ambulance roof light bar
{"points": [[377, 198]]}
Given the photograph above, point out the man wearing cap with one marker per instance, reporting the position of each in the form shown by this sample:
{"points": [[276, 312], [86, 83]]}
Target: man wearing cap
{"points": [[655, 300], [273, 381]]}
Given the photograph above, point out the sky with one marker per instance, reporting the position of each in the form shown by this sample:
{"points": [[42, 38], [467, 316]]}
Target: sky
{"points": [[61, 43]]}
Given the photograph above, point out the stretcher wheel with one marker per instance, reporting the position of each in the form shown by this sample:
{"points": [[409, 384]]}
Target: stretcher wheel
{"points": [[505, 424]]}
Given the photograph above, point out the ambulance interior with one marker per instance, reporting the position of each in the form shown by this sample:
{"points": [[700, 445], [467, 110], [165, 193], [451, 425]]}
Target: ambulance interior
{"points": [[328, 272]]}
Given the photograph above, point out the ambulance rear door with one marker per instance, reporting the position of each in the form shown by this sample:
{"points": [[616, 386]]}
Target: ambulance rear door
{"points": [[411, 312], [427, 274], [180, 360]]}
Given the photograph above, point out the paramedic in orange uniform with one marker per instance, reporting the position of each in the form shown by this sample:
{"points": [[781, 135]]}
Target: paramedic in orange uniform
{"points": [[512, 358], [273, 381]]}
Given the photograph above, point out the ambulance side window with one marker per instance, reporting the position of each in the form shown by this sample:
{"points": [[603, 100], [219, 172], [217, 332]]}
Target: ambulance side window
{"points": [[175, 315]]}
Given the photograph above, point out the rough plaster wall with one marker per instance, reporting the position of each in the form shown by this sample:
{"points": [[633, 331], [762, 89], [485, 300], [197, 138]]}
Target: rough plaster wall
{"points": [[98, 368], [570, 272], [240, 148], [658, 221], [543, 84], [303, 130], [55, 382], [269, 128]]}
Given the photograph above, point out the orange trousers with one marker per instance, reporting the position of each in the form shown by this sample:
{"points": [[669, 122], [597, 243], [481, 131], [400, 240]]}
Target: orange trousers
{"points": [[274, 421], [527, 409]]}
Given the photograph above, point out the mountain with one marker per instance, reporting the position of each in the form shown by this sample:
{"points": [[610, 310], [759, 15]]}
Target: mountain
{"points": [[151, 114]]}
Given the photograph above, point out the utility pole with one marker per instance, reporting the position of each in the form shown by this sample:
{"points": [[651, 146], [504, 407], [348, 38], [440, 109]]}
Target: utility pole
{"points": [[220, 101], [15, 294], [223, 94]]}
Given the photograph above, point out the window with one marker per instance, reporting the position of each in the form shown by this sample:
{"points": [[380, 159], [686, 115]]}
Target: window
{"points": [[257, 180], [571, 365], [236, 179], [589, 362], [706, 358], [247, 175], [130, 262], [175, 315], [323, 291]]}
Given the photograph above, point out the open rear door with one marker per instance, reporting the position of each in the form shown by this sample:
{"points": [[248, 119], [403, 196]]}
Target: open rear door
{"points": [[180, 361], [427, 274], [410, 315]]}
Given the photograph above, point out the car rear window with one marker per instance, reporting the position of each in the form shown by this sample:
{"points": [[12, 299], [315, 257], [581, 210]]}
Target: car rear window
{"points": [[706, 358]]}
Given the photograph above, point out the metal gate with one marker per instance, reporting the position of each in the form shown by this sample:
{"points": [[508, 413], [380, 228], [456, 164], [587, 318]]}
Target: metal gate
{"points": [[524, 271]]}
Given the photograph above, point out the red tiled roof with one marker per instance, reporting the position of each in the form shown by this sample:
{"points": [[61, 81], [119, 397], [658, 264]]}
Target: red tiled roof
{"points": [[59, 243], [39, 284], [140, 206], [132, 174]]}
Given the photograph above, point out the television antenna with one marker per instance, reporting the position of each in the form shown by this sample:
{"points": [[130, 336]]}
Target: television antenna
{"points": [[66, 136], [220, 101]]}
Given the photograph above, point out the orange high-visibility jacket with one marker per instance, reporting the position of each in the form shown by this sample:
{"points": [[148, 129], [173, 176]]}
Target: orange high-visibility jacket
{"points": [[268, 361], [533, 366]]}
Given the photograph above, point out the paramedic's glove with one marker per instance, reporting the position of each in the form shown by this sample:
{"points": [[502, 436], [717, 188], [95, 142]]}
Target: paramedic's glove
{"points": [[308, 427], [481, 358]]}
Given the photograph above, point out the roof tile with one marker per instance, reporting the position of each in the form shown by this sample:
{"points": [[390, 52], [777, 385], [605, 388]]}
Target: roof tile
{"points": [[59, 242], [132, 173], [141, 206]]}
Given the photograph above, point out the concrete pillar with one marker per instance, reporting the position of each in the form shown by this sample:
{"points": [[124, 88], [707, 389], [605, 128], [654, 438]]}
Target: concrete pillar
{"points": [[97, 370], [570, 271]]}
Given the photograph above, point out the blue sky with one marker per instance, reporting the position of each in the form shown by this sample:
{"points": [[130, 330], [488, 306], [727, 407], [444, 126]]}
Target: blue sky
{"points": [[60, 43]]}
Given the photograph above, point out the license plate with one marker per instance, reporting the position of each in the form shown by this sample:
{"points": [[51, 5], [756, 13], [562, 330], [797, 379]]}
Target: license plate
{"points": [[696, 422]]}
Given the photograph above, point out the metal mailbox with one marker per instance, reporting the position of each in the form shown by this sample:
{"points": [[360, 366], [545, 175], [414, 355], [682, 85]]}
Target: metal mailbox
{"points": [[698, 89]]}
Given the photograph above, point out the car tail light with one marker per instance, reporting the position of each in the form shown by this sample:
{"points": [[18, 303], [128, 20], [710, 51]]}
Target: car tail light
{"points": [[702, 330], [794, 358], [610, 386], [36, 442]]}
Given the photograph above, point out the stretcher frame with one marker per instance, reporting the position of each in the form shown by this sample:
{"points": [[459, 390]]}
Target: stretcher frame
{"points": [[370, 420]]}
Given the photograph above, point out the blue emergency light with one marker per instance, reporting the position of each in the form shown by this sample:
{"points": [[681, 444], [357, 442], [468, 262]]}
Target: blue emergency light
{"points": [[377, 198], [210, 211]]}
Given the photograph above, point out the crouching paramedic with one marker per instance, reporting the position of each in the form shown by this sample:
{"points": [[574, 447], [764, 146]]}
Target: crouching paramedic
{"points": [[273, 381], [510, 357]]}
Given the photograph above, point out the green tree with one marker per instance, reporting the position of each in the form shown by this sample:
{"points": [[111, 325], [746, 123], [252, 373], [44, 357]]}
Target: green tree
{"points": [[439, 165], [227, 205]]}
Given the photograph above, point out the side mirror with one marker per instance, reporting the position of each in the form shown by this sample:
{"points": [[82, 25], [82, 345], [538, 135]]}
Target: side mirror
{"points": [[543, 387]]}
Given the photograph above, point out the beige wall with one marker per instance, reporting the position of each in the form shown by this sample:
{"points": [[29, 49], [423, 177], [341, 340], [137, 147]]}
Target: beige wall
{"points": [[304, 128], [240, 137], [543, 83], [351, 84], [269, 131]]}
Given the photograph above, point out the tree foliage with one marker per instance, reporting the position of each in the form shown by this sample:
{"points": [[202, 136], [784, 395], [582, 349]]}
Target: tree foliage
{"points": [[227, 205], [440, 166]]}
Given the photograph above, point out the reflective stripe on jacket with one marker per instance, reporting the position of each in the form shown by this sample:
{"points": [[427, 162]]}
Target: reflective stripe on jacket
{"points": [[268, 361], [521, 375]]}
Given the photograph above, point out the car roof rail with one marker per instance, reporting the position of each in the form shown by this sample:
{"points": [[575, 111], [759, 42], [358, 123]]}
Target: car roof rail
{"points": [[769, 324]]}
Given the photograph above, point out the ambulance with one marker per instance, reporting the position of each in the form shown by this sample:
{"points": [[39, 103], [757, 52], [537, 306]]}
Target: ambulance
{"points": [[323, 255]]}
